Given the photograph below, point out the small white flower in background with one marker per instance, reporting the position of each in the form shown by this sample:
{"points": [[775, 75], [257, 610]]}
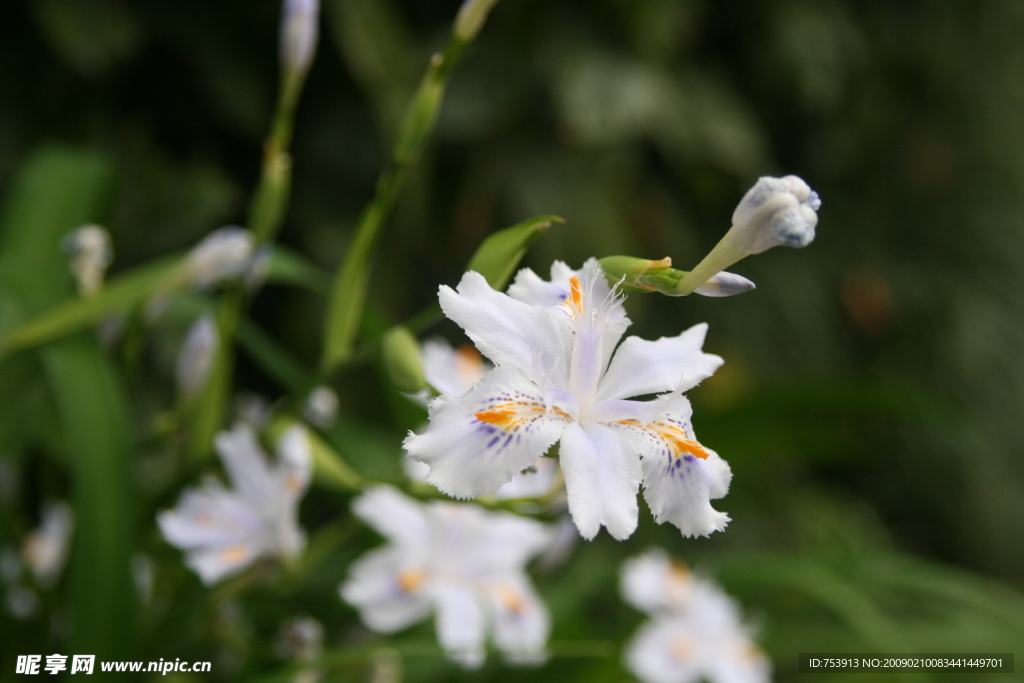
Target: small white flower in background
{"points": [[223, 531], [142, 577], [321, 407], [223, 254], [556, 380], [45, 549], [259, 268], [458, 561], [21, 602], [300, 638], [251, 408], [91, 254], [299, 31], [774, 212], [195, 360], [695, 632]]}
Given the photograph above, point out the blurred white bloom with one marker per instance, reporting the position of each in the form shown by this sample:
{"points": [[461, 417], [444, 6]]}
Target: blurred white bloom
{"points": [[321, 407], [223, 531], [21, 602], [195, 360], [223, 254], [300, 638], [142, 576], [695, 633], [45, 549], [259, 268], [556, 380], [461, 562], [299, 31], [10, 564], [774, 212], [251, 408], [91, 254], [452, 371]]}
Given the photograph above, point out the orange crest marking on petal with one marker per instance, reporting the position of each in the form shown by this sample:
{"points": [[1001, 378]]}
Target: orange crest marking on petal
{"points": [[676, 439], [235, 553], [575, 300], [681, 648], [512, 600], [508, 416], [411, 580]]}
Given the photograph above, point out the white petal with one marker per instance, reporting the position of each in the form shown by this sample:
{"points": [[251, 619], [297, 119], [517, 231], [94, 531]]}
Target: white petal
{"points": [[737, 660], [479, 441], [460, 624], [679, 489], [485, 542], [394, 515], [681, 476], [602, 477], [214, 564], [653, 583], [540, 482], [390, 591], [521, 620], [529, 288], [295, 460], [46, 548], [451, 371], [211, 517], [245, 463], [509, 332], [650, 367], [664, 651]]}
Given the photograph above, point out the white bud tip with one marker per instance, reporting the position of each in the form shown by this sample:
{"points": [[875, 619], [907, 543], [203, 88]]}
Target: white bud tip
{"points": [[223, 254], [299, 31], [776, 212], [471, 17], [725, 284]]}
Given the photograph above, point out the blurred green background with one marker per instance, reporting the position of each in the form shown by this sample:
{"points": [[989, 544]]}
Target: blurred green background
{"points": [[871, 401]]}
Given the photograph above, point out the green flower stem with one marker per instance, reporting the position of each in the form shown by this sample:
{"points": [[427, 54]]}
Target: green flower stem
{"points": [[348, 294], [266, 213]]}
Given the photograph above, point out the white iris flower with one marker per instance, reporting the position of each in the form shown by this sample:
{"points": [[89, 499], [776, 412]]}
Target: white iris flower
{"points": [[559, 378], [695, 632], [459, 561], [223, 531]]}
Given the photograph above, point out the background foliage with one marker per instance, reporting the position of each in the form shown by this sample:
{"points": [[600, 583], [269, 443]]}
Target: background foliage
{"points": [[870, 405]]}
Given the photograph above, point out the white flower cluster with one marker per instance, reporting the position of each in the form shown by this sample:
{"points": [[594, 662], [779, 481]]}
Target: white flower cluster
{"points": [[695, 631], [458, 561]]}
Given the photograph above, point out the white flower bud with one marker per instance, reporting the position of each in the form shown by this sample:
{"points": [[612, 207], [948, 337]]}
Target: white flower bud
{"points": [[725, 284], [91, 253], [774, 212], [223, 254], [195, 360], [299, 31], [321, 407], [471, 18]]}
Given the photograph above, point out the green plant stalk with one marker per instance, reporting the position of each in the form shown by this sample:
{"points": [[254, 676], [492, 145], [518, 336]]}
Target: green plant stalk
{"points": [[348, 293], [266, 213]]}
